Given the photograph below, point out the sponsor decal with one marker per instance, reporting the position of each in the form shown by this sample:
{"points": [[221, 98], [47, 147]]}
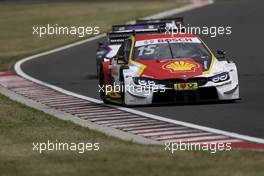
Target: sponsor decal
{"points": [[185, 86], [179, 40], [171, 69], [146, 42], [166, 40], [179, 66]]}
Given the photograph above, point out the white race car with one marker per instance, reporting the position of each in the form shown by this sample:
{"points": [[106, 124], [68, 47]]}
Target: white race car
{"points": [[165, 68]]}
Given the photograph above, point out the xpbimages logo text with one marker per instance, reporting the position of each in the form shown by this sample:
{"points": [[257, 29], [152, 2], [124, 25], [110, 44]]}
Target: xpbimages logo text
{"points": [[79, 31], [144, 89], [211, 147], [78, 147], [212, 31]]}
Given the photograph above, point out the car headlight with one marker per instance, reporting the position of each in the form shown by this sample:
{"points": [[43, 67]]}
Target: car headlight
{"points": [[220, 77], [144, 81]]}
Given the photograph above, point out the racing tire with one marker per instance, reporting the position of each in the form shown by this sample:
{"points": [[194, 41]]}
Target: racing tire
{"points": [[123, 92], [101, 84]]}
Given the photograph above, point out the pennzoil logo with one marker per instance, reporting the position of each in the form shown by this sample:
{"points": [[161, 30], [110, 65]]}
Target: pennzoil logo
{"points": [[176, 66]]}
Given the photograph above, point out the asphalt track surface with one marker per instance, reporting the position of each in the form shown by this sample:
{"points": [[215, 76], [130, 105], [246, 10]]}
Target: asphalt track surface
{"points": [[74, 69]]}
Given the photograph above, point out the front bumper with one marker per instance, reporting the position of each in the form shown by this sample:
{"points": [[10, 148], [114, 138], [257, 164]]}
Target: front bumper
{"points": [[207, 91]]}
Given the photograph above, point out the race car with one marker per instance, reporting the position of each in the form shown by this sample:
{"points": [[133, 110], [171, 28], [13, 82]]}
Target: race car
{"points": [[165, 68], [107, 50]]}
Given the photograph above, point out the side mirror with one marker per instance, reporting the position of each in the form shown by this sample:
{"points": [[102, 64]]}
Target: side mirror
{"points": [[121, 60], [100, 43], [221, 53]]}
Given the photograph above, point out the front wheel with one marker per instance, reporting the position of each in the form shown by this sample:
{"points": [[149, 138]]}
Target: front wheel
{"points": [[123, 90]]}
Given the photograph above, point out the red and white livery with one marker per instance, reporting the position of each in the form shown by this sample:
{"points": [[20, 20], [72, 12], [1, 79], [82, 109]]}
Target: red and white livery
{"points": [[165, 68]]}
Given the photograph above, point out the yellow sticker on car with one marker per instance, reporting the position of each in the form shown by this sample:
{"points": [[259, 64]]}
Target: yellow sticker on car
{"points": [[185, 86]]}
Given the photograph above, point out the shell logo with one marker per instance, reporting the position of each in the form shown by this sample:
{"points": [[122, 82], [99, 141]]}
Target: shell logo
{"points": [[181, 66]]}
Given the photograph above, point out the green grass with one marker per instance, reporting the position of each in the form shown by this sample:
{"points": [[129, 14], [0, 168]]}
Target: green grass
{"points": [[20, 126], [17, 20]]}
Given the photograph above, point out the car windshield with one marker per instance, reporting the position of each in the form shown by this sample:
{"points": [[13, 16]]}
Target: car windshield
{"points": [[159, 49]]}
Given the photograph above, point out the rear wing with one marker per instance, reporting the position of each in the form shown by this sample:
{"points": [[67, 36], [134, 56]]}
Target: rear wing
{"points": [[137, 27], [176, 21], [121, 32], [120, 37]]}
